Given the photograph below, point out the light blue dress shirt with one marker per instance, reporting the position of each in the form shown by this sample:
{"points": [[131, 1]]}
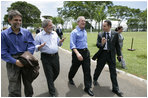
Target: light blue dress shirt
{"points": [[52, 42], [78, 39]]}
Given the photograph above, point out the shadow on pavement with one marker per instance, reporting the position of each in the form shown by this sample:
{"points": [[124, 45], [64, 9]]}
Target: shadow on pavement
{"points": [[47, 94], [44, 95], [75, 91], [103, 91]]}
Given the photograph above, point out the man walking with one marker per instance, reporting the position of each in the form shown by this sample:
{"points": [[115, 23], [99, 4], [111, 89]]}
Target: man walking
{"points": [[47, 43], [109, 45], [59, 32], [15, 41], [80, 54]]}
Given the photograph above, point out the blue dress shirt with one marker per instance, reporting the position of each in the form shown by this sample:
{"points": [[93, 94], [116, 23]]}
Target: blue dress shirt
{"points": [[12, 43], [52, 42], [78, 39]]}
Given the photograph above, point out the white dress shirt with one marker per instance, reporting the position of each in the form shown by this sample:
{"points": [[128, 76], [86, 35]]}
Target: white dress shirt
{"points": [[106, 48], [51, 40]]}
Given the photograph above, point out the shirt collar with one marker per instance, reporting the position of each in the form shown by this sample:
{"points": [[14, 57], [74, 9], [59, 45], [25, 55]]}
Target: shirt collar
{"points": [[78, 28], [109, 32], [44, 32], [10, 31]]}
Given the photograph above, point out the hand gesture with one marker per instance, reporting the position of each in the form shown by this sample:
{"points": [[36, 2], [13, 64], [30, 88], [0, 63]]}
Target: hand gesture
{"points": [[103, 41], [42, 45]]}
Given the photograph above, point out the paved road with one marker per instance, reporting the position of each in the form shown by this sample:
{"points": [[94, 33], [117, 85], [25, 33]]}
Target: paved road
{"points": [[131, 87]]}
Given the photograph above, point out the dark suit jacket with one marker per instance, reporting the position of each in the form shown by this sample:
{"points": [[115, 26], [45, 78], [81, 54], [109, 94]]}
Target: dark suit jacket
{"points": [[59, 33], [115, 47]]}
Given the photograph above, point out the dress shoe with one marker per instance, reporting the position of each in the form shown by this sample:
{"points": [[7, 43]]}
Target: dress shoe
{"points": [[71, 82], [120, 94], [52, 95], [95, 83], [89, 92], [124, 67]]}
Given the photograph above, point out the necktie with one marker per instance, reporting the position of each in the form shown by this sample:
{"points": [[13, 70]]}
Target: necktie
{"points": [[108, 41]]}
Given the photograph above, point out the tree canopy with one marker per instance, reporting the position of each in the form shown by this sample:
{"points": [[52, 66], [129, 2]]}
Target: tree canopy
{"points": [[30, 13]]}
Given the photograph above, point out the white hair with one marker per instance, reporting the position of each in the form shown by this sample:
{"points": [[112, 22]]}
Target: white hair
{"points": [[78, 19], [45, 23]]}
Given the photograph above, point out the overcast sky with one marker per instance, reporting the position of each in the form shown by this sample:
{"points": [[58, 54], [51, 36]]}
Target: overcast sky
{"points": [[50, 7]]}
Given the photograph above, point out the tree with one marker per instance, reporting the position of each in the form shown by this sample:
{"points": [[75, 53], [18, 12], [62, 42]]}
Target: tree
{"points": [[101, 12], [119, 13], [30, 13], [80, 8], [137, 21], [143, 20], [132, 24]]}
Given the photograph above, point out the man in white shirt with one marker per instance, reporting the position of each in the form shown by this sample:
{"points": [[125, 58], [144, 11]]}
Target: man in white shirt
{"points": [[47, 43]]}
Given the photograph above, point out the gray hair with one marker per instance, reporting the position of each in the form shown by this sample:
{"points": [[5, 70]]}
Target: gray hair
{"points": [[78, 19], [13, 13], [45, 22]]}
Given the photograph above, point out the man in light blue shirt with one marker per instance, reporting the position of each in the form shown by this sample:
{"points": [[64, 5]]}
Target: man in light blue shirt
{"points": [[47, 43], [80, 55]]}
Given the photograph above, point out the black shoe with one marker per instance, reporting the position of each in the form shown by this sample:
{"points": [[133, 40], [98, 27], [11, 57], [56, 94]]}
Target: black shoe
{"points": [[120, 94], [52, 95], [95, 83], [71, 82], [89, 92], [124, 67]]}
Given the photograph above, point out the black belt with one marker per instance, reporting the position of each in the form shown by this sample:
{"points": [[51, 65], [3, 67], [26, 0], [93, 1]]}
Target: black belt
{"points": [[50, 54], [106, 50], [85, 49]]}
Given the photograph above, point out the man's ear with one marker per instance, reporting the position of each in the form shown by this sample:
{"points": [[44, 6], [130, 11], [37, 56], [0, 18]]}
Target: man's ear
{"points": [[9, 21]]}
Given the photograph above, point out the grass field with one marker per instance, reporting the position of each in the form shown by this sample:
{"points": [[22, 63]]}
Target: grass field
{"points": [[136, 61]]}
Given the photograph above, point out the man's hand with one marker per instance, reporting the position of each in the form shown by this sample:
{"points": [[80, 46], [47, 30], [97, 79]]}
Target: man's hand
{"points": [[120, 56], [103, 41], [79, 56], [42, 45], [19, 64], [62, 40]]}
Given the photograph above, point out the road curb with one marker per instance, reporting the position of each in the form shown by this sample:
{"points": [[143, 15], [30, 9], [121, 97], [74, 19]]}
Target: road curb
{"points": [[118, 71]]}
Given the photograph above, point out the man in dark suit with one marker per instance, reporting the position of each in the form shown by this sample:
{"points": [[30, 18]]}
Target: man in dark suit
{"points": [[59, 32], [109, 46]]}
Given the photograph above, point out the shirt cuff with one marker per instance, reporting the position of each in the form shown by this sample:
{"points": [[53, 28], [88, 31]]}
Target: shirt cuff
{"points": [[36, 48], [13, 61], [72, 47]]}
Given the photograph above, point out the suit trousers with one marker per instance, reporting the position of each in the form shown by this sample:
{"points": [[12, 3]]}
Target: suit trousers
{"points": [[105, 57], [14, 76], [51, 69], [85, 66]]}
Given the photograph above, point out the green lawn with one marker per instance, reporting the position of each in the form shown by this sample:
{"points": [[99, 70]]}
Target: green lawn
{"points": [[136, 61]]}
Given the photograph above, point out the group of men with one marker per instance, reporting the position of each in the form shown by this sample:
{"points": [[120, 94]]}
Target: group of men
{"points": [[16, 40]]}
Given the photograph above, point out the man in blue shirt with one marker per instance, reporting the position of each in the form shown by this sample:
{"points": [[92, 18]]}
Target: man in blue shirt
{"points": [[15, 41], [47, 43], [80, 54]]}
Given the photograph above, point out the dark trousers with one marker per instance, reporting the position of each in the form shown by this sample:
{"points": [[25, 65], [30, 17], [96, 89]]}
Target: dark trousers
{"points": [[85, 66], [14, 76], [51, 68], [105, 57]]}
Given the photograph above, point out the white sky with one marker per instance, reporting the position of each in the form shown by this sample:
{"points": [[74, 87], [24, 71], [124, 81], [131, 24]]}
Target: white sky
{"points": [[50, 7]]}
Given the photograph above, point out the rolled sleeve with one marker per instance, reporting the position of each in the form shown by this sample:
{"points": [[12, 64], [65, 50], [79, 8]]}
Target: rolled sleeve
{"points": [[37, 43], [4, 52], [31, 44], [58, 41], [72, 40]]}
